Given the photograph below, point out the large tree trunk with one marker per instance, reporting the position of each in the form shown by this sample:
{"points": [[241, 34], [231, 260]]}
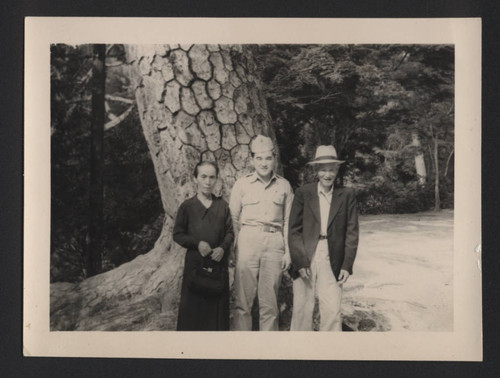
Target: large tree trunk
{"points": [[195, 102]]}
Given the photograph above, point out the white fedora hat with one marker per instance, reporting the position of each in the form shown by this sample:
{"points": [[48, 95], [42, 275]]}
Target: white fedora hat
{"points": [[325, 155]]}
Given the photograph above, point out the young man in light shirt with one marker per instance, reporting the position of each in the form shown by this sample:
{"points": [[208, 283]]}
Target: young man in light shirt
{"points": [[260, 205]]}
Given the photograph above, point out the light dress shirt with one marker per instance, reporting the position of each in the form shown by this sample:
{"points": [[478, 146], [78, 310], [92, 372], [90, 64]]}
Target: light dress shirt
{"points": [[325, 199], [254, 202]]}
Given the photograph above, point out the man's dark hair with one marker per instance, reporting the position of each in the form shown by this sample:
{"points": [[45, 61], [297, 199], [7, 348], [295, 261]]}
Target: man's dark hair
{"points": [[203, 163]]}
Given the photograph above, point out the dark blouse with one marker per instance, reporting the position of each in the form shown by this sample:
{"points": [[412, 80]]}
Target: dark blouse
{"points": [[195, 223]]}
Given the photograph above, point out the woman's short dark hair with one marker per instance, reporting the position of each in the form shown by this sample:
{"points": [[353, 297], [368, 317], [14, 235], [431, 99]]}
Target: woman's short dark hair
{"points": [[203, 163]]}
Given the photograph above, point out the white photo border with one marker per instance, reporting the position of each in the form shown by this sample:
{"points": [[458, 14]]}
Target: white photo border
{"points": [[462, 344]]}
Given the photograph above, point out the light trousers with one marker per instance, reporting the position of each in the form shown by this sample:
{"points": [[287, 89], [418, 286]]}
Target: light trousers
{"points": [[322, 284], [258, 272]]}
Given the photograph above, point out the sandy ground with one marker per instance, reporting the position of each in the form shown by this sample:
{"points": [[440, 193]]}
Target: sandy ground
{"points": [[402, 281], [403, 274]]}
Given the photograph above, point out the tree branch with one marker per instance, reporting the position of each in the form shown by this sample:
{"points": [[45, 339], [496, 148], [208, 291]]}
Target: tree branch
{"points": [[108, 97], [86, 77], [401, 61], [116, 64], [118, 119], [68, 114], [448, 162], [108, 48], [120, 99]]}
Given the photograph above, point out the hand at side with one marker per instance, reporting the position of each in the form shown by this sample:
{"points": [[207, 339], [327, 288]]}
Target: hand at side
{"points": [[343, 276]]}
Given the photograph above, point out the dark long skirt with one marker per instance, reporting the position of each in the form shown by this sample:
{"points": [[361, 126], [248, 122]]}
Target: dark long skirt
{"points": [[202, 313]]}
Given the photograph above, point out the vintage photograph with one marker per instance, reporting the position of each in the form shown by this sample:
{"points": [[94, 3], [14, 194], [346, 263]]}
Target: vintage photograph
{"points": [[256, 187], [163, 154]]}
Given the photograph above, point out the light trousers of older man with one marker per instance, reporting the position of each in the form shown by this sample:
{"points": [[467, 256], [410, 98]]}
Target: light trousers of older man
{"points": [[258, 272], [323, 284]]}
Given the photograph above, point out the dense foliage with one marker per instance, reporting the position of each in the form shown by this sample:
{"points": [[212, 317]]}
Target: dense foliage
{"points": [[371, 102], [133, 211]]}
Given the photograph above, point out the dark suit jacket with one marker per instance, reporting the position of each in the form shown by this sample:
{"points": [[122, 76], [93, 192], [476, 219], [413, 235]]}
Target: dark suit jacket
{"points": [[304, 228]]}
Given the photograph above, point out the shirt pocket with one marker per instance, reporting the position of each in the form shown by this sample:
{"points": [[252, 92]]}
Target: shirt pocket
{"points": [[251, 207], [279, 198], [250, 199]]}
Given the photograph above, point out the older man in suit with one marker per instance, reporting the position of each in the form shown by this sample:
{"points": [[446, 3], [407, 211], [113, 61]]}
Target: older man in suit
{"points": [[323, 240]]}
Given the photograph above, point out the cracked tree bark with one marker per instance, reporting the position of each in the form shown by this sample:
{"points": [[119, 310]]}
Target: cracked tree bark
{"points": [[195, 102]]}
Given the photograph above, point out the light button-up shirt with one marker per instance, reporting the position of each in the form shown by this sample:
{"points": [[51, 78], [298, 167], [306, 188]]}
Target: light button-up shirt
{"points": [[254, 202], [325, 199]]}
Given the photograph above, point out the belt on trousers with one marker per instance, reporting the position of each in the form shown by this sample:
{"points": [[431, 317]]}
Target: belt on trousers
{"points": [[271, 229], [322, 237]]}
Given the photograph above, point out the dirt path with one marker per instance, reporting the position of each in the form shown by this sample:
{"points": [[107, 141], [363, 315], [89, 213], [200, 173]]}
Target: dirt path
{"points": [[403, 274]]}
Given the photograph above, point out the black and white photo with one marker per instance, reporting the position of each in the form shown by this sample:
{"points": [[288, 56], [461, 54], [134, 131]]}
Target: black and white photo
{"points": [[256, 184]]}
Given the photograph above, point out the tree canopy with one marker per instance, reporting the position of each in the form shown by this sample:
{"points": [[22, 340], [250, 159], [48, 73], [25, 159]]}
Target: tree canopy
{"points": [[370, 102]]}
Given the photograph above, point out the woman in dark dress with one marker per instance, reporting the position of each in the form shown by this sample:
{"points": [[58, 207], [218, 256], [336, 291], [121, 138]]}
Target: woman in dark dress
{"points": [[203, 225]]}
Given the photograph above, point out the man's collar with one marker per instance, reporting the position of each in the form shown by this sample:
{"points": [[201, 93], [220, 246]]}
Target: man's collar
{"points": [[326, 193], [256, 177]]}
